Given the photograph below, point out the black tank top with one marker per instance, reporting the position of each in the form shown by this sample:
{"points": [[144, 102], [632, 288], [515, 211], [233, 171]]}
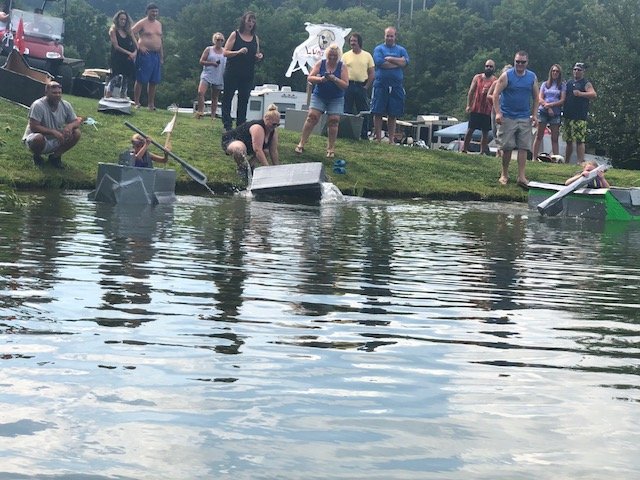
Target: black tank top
{"points": [[243, 65], [243, 134]]}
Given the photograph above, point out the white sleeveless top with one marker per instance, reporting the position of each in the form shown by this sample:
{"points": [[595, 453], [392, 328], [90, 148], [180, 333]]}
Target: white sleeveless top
{"points": [[213, 75]]}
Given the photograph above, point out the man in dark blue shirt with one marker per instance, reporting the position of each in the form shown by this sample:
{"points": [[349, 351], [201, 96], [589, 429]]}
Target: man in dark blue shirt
{"points": [[576, 110]]}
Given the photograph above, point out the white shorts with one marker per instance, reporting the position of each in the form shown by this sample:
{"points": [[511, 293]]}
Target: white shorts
{"points": [[51, 143]]}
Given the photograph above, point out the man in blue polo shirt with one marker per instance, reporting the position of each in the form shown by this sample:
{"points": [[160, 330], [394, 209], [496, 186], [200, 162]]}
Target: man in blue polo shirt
{"points": [[515, 100], [388, 89]]}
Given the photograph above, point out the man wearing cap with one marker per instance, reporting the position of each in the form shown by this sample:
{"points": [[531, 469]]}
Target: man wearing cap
{"points": [[576, 110], [479, 106], [53, 127], [360, 66]]}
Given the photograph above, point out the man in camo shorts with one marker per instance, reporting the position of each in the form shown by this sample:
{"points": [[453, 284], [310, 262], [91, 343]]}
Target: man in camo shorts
{"points": [[576, 110]]}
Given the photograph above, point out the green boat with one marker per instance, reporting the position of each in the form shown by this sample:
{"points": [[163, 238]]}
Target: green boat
{"points": [[614, 203]]}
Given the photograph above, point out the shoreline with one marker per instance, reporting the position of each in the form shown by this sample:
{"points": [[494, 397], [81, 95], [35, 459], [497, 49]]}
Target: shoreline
{"points": [[379, 171]]}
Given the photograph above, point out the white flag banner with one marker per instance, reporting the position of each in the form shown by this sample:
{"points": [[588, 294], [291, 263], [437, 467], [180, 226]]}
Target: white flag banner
{"points": [[309, 52]]}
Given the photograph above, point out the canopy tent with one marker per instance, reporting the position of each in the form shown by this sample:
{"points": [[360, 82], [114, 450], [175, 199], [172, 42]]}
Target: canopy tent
{"points": [[459, 130]]}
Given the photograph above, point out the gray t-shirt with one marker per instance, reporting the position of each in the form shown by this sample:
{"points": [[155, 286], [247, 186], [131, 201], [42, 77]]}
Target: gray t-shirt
{"points": [[41, 112]]}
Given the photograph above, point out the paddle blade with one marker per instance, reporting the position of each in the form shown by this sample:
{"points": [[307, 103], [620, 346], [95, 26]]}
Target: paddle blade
{"points": [[552, 210], [170, 125]]}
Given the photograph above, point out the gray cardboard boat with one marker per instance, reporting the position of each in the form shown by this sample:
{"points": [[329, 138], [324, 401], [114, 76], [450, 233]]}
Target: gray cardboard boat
{"points": [[19, 82], [123, 184]]}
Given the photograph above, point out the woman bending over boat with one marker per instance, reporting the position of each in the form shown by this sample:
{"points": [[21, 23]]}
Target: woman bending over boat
{"points": [[598, 182], [256, 139]]}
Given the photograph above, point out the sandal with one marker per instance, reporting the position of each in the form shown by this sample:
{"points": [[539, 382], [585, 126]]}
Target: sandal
{"points": [[331, 154], [299, 149]]}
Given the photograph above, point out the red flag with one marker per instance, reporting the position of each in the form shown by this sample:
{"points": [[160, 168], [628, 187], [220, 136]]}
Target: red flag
{"points": [[18, 42]]}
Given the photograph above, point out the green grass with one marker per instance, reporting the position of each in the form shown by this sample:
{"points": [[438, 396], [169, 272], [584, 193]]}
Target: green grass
{"points": [[373, 170]]}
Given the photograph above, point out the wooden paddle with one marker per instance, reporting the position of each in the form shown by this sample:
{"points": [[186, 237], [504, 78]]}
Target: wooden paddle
{"points": [[192, 171], [553, 205]]}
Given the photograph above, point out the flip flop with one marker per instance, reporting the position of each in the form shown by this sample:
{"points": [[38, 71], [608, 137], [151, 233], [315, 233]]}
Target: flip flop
{"points": [[339, 170], [523, 185], [503, 180], [299, 150]]}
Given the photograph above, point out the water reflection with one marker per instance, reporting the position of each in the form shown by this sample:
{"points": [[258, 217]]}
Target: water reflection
{"points": [[130, 233], [501, 238], [395, 340], [33, 242]]}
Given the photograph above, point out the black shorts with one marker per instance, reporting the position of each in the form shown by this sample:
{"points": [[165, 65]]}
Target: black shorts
{"points": [[479, 121]]}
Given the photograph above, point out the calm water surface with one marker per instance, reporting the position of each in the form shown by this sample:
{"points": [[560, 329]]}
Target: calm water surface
{"points": [[225, 338]]}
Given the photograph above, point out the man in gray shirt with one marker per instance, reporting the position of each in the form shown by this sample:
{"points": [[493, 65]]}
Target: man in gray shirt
{"points": [[53, 127]]}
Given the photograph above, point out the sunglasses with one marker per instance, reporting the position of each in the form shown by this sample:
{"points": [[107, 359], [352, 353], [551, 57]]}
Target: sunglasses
{"points": [[489, 66], [577, 69], [521, 62], [275, 125], [219, 39]]}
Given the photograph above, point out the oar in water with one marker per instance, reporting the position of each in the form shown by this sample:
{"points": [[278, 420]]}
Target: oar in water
{"points": [[553, 205], [192, 171]]}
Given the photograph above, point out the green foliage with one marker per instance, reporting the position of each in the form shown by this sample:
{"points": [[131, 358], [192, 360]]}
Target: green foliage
{"points": [[614, 73], [86, 34]]}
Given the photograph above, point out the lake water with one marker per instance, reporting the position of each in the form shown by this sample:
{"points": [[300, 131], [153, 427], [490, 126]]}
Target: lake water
{"points": [[227, 338]]}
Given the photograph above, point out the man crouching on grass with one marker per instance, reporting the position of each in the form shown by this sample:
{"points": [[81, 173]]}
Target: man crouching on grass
{"points": [[53, 127]]}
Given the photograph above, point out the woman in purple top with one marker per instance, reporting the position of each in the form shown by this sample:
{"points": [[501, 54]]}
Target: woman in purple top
{"points": [[552, 94]]}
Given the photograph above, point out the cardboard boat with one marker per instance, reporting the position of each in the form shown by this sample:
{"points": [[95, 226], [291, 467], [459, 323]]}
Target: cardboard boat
{"points": [[613, 203], [123, 184], [21, 83], [296, 181]]}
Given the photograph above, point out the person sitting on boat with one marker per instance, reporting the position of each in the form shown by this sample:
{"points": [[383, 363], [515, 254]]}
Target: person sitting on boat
{"points": [[53, 127], [598, 182], [140, 152], [256, 138]]}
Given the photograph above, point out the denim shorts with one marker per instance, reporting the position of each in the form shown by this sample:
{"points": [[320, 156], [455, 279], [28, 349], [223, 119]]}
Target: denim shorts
{"points": [[330, 106], [545, 118]]}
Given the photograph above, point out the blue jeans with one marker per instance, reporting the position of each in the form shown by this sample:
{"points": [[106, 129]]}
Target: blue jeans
{"points": [[356, 100]]}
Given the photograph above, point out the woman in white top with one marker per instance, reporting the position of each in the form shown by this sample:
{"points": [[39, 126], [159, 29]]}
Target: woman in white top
{"points": [[213, 62]]}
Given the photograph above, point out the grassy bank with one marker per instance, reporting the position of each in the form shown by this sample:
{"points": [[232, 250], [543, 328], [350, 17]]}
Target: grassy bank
{"points": [[377, 171]]}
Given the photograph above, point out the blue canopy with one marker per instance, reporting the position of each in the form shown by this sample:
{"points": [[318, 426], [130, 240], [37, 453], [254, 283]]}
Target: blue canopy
{"points": [[459, 130]]}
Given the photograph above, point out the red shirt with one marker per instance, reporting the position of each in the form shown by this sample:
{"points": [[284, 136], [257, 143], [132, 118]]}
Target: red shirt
{"points": [[481, 103]]}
